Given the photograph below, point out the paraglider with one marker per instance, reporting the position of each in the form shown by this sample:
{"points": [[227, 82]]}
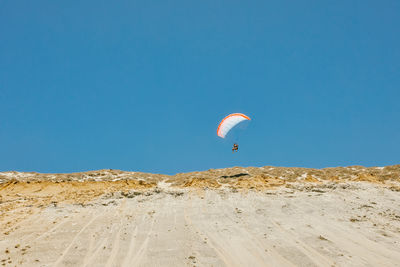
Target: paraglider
{"points": [[228, 123]]}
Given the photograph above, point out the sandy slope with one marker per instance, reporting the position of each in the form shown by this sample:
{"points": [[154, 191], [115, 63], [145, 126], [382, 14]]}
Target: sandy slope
{"points": [[192, 220]]}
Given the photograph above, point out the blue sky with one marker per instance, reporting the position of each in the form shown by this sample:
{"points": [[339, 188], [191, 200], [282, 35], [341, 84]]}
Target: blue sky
{"points": [[142, 85]]}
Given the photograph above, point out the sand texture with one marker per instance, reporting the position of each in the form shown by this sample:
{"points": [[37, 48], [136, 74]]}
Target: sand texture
{"points": [[268, 216]]}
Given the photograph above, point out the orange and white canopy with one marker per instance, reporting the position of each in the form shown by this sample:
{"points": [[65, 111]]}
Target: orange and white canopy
{"points": [[229, 122]]}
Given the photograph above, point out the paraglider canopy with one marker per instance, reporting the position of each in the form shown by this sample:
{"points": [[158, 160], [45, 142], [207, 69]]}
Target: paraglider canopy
{"points": [[229, 122]]}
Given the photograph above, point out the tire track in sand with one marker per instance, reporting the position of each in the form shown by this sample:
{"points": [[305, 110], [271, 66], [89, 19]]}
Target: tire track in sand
{"points": [[224, 256], [135, 260], [93, 251], [115, 248], [66, 250], [279, 260], [116, 241], [131, 248]]}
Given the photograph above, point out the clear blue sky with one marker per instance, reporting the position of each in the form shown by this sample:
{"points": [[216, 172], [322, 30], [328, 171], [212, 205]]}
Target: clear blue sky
{"points": [[142, 85]]}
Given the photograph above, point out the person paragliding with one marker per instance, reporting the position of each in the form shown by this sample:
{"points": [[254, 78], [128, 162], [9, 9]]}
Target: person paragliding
{"points": [[235, 147], [228, 123]]}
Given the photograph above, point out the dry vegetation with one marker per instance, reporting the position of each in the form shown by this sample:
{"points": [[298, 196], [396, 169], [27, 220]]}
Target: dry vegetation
{"points": [[19, 188], [82, 187], [22, 192]]}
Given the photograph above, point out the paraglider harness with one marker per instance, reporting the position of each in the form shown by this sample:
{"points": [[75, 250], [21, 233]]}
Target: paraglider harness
{"points": [[235, 148]]}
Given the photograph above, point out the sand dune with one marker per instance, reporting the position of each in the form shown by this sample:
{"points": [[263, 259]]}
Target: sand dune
{"points": [[266, 216]]}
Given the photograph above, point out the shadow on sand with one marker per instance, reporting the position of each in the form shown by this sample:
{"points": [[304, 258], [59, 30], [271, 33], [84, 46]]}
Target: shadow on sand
{"points": [[235, 176]]}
